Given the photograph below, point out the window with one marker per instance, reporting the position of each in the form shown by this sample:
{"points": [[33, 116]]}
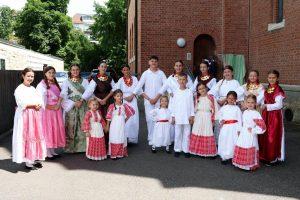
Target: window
{"points": [[278, 19], [279, 11], [2, 64]]}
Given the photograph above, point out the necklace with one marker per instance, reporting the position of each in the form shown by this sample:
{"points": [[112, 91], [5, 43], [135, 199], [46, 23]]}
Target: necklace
{"points": [[102, 77], [128, 81], [270, 89], [205, 78], [75, 80], [253, 86]]}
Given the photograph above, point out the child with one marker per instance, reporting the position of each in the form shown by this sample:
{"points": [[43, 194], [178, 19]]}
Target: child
{"points": [[202, 141], [162, 119], [204, 77], [182, 116], [230, 118], [117, 114], [28, 141], [53, 124], [93, 126], [246, 155], [152, 80], [271, 144]]}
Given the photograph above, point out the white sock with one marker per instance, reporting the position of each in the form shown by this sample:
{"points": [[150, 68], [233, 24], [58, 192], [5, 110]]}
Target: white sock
{"points": [[49, 154], [53, 152], [167, 148]]}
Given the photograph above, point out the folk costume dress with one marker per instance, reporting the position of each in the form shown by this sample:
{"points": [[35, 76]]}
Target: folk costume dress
{"points": [[271, 144], [117, 114], [161, 133], [53, 123], [28, 144], [132, 125], [208, 80], [256, 89], [100, 86], [230, 118], [246, 151], [95, 144], [171, 85], [202, 140], [151, 81], [71, 92]]}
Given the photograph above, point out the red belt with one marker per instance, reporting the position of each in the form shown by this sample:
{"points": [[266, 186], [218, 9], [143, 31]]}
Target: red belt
{"points": [[230, 121], [163, 120]]}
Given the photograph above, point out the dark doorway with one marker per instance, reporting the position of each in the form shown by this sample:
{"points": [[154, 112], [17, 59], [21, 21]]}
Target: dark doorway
{"points": [[204, 48]]}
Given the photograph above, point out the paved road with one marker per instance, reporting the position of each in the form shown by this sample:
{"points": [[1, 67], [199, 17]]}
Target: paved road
{"points": [[144, 175]]}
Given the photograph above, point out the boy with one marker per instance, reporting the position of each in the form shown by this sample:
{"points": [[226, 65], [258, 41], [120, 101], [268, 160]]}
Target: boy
{"points": [[152, 80], [182, 116]]}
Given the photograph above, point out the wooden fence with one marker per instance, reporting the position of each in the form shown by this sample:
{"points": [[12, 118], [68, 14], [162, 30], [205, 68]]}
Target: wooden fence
{"points": [[9, 80]]}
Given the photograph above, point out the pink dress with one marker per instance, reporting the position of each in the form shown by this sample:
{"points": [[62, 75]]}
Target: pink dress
{"points": [[53, 124], [28, 143]]}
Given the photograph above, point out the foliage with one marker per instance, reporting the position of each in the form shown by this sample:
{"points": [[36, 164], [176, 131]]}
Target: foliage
{"points": [[6, 22]]}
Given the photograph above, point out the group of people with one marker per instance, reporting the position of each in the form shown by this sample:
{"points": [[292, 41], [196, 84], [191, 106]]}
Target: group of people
{"points": [[241, 124]]}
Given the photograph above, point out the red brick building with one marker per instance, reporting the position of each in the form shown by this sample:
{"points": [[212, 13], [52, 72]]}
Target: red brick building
{"points": [[266, 32]]}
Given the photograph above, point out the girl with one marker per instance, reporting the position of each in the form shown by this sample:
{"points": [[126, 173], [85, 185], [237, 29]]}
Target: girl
{"points": [[28, 141], [246, 155], [127, 84], [162, 118], [171, 85], [204, 77], [117, 114], [252, 87], [225, 85], [271, 144], [53, 125], [75, 108], [230, 118], [202, 141], [93, 126]]}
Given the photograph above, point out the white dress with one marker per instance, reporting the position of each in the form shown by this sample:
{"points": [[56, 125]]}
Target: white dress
{"points": [[117, 114], [257, 90], [132, 125], [202, 141], [231, 118], [161, 133], [246, 153], [209, 85], [220, 90], [28, 143]]}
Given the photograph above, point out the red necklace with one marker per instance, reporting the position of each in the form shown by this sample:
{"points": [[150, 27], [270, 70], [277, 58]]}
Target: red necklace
{"points": [[128, 81]]}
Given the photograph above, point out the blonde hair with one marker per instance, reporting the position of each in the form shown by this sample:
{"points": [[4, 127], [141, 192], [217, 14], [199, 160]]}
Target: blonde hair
{"points": [[93, 99], [164, 97]]}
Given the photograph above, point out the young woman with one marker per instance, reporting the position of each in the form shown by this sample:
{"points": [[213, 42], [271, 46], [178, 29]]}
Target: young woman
{"points": [[28, 143], [53, 124], [204, 77], [127, 84], [75, 108], [253, 86], [271, 144]]}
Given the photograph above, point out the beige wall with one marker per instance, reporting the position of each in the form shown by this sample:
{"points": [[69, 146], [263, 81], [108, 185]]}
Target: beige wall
{"points": [[17, 58]]}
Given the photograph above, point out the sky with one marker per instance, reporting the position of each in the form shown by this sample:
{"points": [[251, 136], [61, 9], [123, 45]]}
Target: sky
{"points": [[75, 6]]}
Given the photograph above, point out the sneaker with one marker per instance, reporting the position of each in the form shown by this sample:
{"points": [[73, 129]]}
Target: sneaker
{"points": [[177, 154], [168, 150], [153, 150], [38, 165]]}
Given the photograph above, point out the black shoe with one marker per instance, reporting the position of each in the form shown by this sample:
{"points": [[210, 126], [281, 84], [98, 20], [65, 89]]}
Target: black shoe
{"points": [[153, 150], [57, 156], [177, 154], [38, 165], [30, 168], [212, 158], [50, 158], [187, 155], [168, 151], [224, 162]]}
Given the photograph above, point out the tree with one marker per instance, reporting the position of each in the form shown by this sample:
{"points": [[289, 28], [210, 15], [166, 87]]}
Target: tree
{"points": [[110, 30], [42, 28], [6, 22], [57, 5]]}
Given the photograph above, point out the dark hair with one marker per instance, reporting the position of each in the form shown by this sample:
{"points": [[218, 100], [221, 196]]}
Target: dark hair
{"points": [[228, 67], [153, 57], [204, 62], [25, 71], [125, 65], [251, 96], [180, 61], [182, 74], [232, 93], [46, 80], [248, 81], [69, 72], [200, 83], [118, 91], [274, 72]]}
